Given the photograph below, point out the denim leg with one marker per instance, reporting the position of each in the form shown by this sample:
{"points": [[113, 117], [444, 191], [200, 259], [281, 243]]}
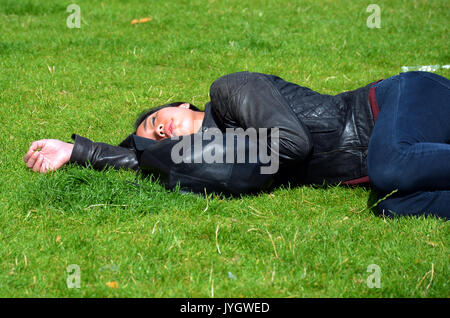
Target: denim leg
{"points": [[431, 203], [409, 148]]}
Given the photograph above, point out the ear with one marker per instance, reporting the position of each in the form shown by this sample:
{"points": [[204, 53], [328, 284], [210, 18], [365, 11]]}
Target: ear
{"points": [[185, 105]]}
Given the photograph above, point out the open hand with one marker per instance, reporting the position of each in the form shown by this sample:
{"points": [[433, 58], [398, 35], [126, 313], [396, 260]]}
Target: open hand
{"points": [[48, 154]]}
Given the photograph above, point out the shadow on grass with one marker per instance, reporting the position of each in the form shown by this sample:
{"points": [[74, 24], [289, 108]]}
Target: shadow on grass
{"points": [[73, 190]]}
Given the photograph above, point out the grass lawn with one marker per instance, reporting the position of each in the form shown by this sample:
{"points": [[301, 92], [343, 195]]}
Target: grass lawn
{"points": [[145, 241]]}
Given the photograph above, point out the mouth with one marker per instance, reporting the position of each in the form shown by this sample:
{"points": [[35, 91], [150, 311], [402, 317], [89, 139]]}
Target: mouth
{"points": [[168, 129]]}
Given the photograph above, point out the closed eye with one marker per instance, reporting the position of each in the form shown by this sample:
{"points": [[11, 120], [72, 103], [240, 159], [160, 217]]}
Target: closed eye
{"points": [[153, 121]]}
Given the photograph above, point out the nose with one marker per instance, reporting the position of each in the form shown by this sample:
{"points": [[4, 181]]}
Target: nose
{"points": [[160, 130]]}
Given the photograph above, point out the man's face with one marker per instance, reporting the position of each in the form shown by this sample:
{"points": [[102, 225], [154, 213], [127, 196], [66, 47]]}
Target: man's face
{"points": [[168, 122]]}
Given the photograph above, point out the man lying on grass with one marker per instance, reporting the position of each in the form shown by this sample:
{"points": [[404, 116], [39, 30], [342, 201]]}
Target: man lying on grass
{"points": [[259, 130]]}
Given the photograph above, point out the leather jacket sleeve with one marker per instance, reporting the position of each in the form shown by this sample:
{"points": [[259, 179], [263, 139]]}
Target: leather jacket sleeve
{"points": [[101, 155], [251, 100]]}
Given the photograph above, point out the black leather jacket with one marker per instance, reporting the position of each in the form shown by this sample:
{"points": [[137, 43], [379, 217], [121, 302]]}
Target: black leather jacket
{"points": [[322, 139]]}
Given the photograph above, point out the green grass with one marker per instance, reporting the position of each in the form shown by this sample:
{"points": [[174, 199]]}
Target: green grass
{"points": [[301, 242]]}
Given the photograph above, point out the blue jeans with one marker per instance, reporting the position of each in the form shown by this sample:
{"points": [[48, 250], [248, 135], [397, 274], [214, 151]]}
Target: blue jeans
{"points": [[409, 149]]}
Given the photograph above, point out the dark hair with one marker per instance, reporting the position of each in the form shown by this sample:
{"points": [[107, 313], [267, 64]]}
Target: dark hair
{"points": [[150, 111]]}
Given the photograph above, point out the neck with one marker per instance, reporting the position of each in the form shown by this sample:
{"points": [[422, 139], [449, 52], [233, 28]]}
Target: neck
{"points": [[198, 120]]}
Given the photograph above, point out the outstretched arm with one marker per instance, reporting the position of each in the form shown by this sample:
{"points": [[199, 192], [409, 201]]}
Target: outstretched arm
{"points": [[51, 154]]}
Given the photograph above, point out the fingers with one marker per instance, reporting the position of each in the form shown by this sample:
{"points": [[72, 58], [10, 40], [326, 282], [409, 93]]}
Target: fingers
{"points": [[44, 167], [38, 163], [28, 155], [41, 155], [32, 159], [34, 146]]}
